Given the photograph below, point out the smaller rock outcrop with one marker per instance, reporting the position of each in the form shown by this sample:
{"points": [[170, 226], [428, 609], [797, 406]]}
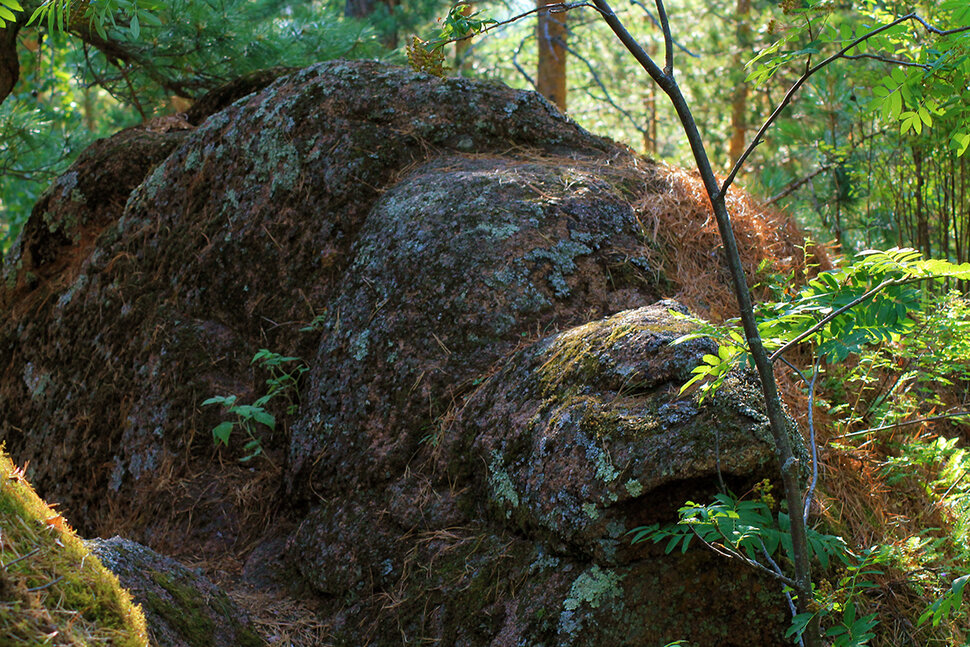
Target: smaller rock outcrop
{"points": [[514, 529], [183, 608]]}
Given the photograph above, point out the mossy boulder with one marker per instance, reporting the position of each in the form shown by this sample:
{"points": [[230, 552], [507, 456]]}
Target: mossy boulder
{"points": [[515, 530], [53, 591], [183, 608], [388, 206], [578, 428], [487, 406]]}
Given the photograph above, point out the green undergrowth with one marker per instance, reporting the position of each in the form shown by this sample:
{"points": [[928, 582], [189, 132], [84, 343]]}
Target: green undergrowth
{"points": [[52, 590]]}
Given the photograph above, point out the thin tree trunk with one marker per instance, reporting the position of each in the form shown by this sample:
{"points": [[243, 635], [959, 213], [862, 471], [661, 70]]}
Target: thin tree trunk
{"points": [[739, 99], [551, 36], [778, 422], [922, 224], [462, 47]]}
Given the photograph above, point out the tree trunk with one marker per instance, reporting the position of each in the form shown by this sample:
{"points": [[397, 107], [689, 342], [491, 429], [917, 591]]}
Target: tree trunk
{"points": [[462, 47], [9, 63], [922, 223], [739, 99], [551, 35]]}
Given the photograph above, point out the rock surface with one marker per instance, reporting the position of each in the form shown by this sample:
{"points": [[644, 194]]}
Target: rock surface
{"points": [[488, 406], [182, 608]]}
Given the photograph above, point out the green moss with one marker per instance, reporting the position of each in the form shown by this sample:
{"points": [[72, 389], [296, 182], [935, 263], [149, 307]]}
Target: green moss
{"points": [[185, 611], [634, 487], [51, 584], [594, 587]]}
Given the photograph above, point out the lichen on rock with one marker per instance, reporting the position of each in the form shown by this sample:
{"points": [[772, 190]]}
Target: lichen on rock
{"points": [[490, 404]]}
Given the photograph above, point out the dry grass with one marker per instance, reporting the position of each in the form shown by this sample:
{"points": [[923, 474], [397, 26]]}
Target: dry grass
{"points": [[282, 621], [680, 220]]}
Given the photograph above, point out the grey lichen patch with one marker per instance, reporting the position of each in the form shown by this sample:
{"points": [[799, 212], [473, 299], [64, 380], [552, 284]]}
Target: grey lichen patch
{"points": [[36, 380], [192, 160], [593, 587], [67, 183], [79, 284], [148, 190], [562, 258], [277, 159], [359, 345], [604, 466], [634, 487], [503, 491], [497, 230], [543, 562]]}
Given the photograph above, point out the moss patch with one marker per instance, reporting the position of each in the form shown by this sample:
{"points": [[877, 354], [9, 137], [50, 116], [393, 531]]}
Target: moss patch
{"points": [[51, 587]]}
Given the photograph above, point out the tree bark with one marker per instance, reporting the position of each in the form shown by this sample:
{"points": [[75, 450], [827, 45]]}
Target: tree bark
{"points": [[551, 35], [9, 62], [739, 99]]}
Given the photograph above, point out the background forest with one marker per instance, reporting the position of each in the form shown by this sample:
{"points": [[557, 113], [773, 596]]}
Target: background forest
{"points": [[871, 154]]}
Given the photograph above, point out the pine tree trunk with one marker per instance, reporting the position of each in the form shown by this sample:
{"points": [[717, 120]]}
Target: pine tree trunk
{"points": [[739, 99], [551, 35]]}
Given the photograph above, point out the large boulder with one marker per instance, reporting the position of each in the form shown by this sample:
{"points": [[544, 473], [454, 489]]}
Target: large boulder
{"points": [[487, 405]]}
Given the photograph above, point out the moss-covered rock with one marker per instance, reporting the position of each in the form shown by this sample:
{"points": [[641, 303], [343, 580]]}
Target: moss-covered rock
{"points": [[580, 426], [485, 410], [183, 608], [52, 590]]}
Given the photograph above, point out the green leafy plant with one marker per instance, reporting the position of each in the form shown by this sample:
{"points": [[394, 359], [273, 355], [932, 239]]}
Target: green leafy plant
{"points": [[428, 55], [949, 603], [282, 383], [748, 530], [840, 312], [247, 416], [745, 529], [838, 606], [7, 9], [63, 15]]}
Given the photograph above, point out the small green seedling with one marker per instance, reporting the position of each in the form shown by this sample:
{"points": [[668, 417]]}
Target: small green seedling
{"points": [[281, 383]]}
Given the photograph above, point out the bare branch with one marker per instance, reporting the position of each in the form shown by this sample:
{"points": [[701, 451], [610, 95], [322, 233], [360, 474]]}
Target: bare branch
{"points": [[560, 7], [606, 93], [811, 440], [797, 184], [657, 23], [940, 32], [728, 551], [518, 66], [647, 63], [668, 40], [886, 59], [905, 423]]}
